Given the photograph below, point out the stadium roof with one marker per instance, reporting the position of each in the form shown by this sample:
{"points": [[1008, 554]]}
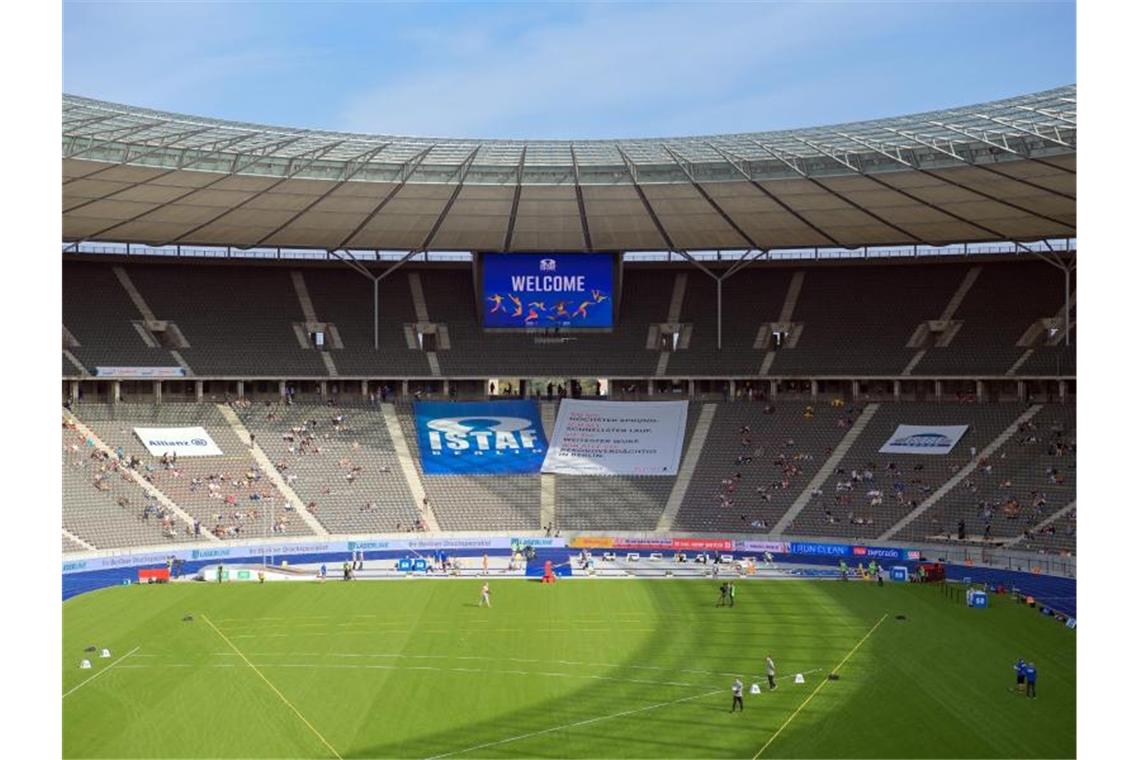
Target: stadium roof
{"points": [[1004, 170]]}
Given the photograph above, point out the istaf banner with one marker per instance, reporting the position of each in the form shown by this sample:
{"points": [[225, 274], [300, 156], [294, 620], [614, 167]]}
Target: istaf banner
{"points": [[479, 437]]}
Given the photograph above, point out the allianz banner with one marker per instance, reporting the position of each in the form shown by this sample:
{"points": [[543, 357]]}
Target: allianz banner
{"points": [[924, 439], [479, 437], [617, 438], [183, 441]]}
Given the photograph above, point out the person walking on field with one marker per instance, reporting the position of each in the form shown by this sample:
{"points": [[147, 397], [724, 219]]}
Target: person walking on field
{"points": [[1031, 681], [731, 594], [737, 695], [770, 666], [486, 597]]}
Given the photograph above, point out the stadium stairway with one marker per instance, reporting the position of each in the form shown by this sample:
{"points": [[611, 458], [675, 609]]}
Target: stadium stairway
{"points": [[408, 466], [548, 483], [305, 301], [163, 499], [69, 536], [687, 468], [827, 469], [963, 473], [271, 472], [1043, 524]]}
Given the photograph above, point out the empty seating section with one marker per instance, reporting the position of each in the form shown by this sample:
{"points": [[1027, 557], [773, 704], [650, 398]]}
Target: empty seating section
{"points": [[1048, 361], [749, 298], [857, 320], [450, 297], [852, 505], [344, 298], [475, 502], [776, 454], [616, 502], [338, 459], [227, 494], [71, 546], [99, 313], [106, 508], [1028, 479], [1006, 299], [238, 320]]}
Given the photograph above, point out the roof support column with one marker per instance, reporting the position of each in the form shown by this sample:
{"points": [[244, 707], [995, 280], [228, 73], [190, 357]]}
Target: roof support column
{"points": [[1067, 267], [719, 310]]}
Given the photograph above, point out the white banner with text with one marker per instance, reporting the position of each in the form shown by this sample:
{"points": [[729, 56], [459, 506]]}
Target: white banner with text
{"points": [[182, 441], [617, 438], [924, 439]]}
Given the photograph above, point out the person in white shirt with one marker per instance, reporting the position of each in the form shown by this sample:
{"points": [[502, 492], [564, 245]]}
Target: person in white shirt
{"points": [[770, 666], [486, 597], [737, 695]]}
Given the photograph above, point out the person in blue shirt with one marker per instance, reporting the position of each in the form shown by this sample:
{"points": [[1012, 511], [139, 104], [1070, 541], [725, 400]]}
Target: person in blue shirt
{"points": [[1031, 681], [1019, 668]]}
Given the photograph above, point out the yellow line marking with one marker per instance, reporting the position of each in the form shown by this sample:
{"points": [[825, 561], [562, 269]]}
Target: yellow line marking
{"points": [[275, 689], [820, 686], [101, 672]]}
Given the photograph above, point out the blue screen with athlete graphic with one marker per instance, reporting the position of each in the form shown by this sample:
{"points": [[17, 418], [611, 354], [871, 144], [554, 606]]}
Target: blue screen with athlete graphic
{"points": [[548, 290]]}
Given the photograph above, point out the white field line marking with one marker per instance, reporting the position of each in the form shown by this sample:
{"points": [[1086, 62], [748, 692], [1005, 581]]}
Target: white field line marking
{"points": [[575, 725], [274, 688], [93, 676], [497, 659], [820, 686], [481, 671]]}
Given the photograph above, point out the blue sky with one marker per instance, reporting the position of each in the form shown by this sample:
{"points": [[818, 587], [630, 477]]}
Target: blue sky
{"points": [[572, 70]]}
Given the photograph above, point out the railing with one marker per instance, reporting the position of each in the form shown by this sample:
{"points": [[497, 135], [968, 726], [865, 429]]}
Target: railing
{"points": [[1067, 245]]}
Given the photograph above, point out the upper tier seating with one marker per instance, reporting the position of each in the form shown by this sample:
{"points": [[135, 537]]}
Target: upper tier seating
{"points": [[857, 320], [750, 298], [344, 298], [1006, 299], [99, 313], [237, 320]]}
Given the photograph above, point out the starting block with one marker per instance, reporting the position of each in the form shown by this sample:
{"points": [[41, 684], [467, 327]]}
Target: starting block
{"points": [[755, 688], [105, 653], [799, 677], [85, 665]]}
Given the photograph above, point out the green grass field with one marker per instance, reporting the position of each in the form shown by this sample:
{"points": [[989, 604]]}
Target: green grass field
{"points": [[585, 668]]}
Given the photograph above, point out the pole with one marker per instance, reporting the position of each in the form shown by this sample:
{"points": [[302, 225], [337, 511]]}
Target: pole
{"points": [[376, 314], [1068, 275], [718, 312]]}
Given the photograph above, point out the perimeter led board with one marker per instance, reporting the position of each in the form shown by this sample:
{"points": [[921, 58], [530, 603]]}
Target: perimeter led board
{"points": [[548, 290]]}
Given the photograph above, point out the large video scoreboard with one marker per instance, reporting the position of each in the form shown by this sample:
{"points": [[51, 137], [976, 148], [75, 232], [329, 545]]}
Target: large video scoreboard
{"points": [[537, 290]]}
